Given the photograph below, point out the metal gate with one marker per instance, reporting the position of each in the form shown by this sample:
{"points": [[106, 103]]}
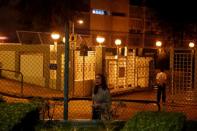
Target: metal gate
{"points": [[182, 63]]}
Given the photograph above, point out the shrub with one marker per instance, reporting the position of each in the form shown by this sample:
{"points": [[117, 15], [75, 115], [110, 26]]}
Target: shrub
{"points": [[53, 126], [18, 116], [156, 121]]}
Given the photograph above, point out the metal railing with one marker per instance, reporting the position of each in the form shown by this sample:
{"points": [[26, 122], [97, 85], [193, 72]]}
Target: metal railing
{"points": [[18, 72], [122, 100]]}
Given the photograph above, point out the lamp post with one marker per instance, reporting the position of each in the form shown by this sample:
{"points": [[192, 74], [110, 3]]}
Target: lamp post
{"points": [[55, 36], [100, 40], [100, 54], [158, 44], [53, 59], [117, 42], [66, 63], [192, 46], [72, 53], [194, 55], [66, 70]]}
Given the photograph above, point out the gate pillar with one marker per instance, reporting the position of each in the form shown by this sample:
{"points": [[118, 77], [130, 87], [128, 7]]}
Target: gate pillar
{"points": [[100, 59], [195, 74]]}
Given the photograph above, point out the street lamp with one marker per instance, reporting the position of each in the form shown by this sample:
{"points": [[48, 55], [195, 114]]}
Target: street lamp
{"points": [[2, 38], [191, 44], [55, 36], [100, 55], [80, 21], [118, 42], [66, 64], [100, 40], [158, 43], [53, 59]]}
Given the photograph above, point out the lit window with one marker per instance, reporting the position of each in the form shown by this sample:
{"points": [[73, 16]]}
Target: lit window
{"points": [[98, 12], [93, 11]]}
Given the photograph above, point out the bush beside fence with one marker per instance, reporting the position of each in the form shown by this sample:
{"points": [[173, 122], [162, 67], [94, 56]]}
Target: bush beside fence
{"points": [[156, 121], [18, 116]]}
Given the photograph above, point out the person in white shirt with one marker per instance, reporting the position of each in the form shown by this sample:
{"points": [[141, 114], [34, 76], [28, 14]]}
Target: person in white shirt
{"points": [[101, 97], [161, 80]]}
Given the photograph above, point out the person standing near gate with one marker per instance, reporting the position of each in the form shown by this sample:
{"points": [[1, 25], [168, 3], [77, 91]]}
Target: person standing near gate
{"points": [[161, 80], [101, 98]]}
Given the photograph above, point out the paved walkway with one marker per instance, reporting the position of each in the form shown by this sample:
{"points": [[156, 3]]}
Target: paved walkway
{"points": [[185, 103], [14, 88]]}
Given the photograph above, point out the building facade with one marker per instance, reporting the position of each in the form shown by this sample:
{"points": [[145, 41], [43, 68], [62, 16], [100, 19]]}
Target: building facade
{"points": [[136, 26]]}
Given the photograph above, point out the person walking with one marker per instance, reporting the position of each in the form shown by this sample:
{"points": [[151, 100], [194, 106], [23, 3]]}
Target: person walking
{"points": [[101, 98], [161, 80]]}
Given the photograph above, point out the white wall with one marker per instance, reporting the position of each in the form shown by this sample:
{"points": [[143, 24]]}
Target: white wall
{"points": [[7, 60], [31, 66]]}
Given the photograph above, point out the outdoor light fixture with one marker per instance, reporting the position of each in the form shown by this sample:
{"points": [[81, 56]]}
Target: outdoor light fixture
{"points": [[118, 42], [100, 39], [158, 43], [80, 21], [55, 36], [64, 39], [3, 37], [191, 44]]}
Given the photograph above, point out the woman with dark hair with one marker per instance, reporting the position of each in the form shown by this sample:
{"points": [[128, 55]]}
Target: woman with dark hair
{"points": [[101, 98]]}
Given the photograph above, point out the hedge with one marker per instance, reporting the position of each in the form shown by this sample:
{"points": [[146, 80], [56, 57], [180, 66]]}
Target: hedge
{"points": [[156, 121], [18, 116]]}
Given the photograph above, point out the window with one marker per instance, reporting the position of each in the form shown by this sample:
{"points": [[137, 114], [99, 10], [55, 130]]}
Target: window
{"points": [[118, 14], [99, 12]]}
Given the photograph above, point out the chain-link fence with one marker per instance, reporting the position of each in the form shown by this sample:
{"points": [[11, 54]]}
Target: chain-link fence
{"points": [[37, 71]]}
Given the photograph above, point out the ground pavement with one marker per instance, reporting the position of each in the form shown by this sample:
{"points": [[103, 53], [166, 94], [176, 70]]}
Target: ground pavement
{"points": [[184, 102]]}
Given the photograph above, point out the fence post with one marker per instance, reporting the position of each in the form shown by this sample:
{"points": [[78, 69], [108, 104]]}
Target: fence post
{"points": [[195, 74], [172, 72], [66, 70]]}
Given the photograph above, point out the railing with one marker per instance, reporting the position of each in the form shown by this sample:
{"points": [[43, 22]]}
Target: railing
{"points": [[18, 72], [124, 100]]}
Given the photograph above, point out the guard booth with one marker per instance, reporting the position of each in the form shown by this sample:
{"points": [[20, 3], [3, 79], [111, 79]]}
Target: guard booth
{"points": [[127, 72]]}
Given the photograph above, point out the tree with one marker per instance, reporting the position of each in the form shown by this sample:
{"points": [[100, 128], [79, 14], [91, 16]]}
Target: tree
{"points": [[175, 16]]}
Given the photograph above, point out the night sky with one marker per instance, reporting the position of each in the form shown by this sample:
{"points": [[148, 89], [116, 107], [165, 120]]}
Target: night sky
{"points": [[180, 11]]}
